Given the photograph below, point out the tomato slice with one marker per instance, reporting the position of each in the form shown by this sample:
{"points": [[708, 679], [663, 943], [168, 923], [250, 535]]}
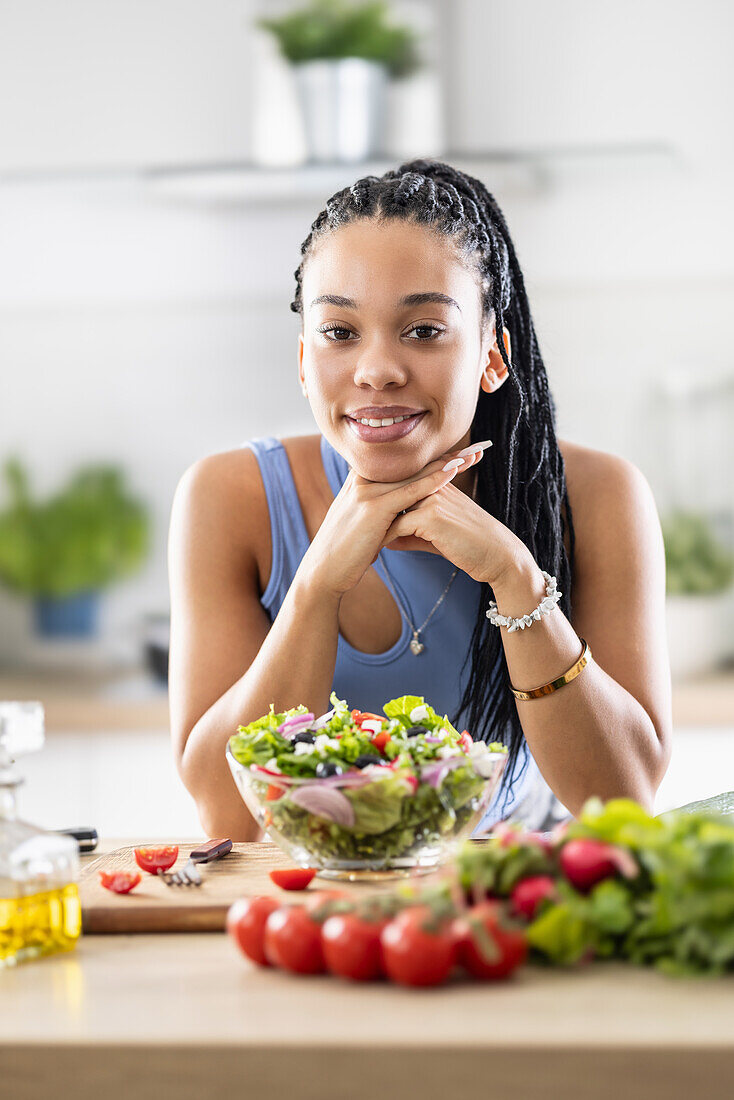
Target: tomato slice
{"points": [[293, 878], [364, 715], [119, 882], [156, 860], [273, 793]]}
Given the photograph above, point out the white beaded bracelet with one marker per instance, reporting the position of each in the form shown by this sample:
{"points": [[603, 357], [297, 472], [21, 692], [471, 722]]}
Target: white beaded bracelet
{"points": [[545, 606]]}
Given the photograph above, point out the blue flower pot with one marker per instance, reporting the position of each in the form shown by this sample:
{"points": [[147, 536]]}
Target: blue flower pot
{"points": [[67, 616]]}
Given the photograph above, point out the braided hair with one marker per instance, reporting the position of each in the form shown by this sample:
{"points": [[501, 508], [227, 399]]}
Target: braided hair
{"points": [[524, 485]]}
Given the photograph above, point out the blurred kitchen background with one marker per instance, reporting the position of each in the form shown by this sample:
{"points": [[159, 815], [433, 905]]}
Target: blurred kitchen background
{"points": [[160, 164]]}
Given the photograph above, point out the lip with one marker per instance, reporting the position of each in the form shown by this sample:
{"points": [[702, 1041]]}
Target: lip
{"points": [[388, 434], [378, 412]]}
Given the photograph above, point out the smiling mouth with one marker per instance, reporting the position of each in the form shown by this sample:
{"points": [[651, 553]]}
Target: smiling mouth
{"points": [[377, 431]]}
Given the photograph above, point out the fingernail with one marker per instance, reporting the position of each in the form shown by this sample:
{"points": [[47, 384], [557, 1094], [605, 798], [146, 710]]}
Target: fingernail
{"points": [[454, 464], [475, 447]]}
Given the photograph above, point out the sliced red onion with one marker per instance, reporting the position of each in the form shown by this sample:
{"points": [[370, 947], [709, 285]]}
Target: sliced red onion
{"points": [[326, 802], [297, 723], [435, 772], [432, 739], [324, 719]]}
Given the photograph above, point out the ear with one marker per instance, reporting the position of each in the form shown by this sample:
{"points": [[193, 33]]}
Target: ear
{"points": [[495, 371], [301, 377]]}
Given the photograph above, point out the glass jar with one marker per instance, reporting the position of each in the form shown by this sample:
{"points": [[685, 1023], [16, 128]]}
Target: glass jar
{"points": [[40, 912]]}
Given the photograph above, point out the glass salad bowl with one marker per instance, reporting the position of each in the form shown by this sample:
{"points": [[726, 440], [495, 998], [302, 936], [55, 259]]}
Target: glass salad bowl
{"points": [[359, 795]]}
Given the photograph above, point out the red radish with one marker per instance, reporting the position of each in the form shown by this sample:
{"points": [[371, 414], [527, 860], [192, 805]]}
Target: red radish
{"points": [[529, 893], [585, 861], [465, 740]]}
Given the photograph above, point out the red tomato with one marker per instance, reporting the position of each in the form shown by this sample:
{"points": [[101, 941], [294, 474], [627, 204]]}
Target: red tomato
{"points": [[488, 946], [380, 740], [293, 878], [364, 715], [119, 882], [293, 940], [273, 793], [246, 925], [155, 860], [418, 948], [351, 946], [319, 901], [466, 741]]}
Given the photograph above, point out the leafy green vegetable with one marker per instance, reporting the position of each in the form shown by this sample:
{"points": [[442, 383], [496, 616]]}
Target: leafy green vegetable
{"points": [[677, 914]]}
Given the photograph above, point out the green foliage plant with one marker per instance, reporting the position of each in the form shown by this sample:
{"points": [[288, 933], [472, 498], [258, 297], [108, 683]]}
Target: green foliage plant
{"points": [[335, 29], [696, 562], [87, 535]]}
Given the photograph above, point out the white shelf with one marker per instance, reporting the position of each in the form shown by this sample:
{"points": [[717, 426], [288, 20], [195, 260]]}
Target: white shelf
{"points": [[247, 184]]}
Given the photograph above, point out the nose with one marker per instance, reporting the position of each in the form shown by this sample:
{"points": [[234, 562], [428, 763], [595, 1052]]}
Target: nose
{"points": [[379, 365]]}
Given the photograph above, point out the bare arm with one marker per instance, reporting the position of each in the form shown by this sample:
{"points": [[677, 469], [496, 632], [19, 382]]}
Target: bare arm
{"points": [[227, 664], [608, 732]]}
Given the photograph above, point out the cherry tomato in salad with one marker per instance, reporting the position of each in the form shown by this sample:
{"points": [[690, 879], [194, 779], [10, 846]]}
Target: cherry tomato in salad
{"points": [[293, 878], [156, 860], [367, 715], [380, 740], [246, 925], [487, 944], [352, 947], [273, 793], [418, 947], [120, 882], [293, 940]]}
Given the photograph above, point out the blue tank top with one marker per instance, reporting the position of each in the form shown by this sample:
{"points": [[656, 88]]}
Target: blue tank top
{"points": [[368, 680]]}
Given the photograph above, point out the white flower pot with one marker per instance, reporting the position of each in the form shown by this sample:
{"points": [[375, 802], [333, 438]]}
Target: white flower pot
{"points": [[700, 632]]}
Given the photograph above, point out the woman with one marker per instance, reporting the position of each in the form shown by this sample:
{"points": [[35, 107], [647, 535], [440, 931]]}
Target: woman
{"points": [[286, 559]]}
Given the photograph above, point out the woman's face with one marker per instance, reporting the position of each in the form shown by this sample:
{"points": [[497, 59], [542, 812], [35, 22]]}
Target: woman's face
{"points": [[379, 349]]}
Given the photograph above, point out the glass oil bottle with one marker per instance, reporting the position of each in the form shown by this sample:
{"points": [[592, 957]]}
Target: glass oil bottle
{"points": [[40, 912]]}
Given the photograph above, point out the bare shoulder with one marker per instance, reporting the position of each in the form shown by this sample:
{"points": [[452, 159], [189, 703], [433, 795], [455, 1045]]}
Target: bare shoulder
{"points": [[224, 496], [591, 473]]}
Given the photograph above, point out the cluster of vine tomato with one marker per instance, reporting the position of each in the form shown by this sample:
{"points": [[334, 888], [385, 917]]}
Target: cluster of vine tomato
{"points": [[415, 944]]}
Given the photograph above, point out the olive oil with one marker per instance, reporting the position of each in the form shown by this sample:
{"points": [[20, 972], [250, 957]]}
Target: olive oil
{"points": [[39, 924], [40, 912]]}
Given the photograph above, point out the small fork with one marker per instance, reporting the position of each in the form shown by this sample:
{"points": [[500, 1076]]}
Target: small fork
{"points": [[189, 874]]}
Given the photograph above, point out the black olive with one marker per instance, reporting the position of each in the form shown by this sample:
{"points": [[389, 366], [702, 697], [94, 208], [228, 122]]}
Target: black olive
{"points": [[328, 767], [415, 730], [367, 758], [305, 738]]}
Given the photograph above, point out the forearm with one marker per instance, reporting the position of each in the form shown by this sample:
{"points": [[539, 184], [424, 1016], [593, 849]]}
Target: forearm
{"points": [[590, 737], [294, 665]]}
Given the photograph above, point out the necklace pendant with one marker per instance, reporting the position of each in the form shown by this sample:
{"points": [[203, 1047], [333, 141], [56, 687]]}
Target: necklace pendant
{"points": [[416, 646]]}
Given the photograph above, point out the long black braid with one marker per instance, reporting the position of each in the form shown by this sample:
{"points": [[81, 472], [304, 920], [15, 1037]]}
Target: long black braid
{"points": [[523, 483]]}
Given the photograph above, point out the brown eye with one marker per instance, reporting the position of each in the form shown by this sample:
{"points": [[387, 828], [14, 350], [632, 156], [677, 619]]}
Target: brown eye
{"points": [[426, 328], [336, 328]]}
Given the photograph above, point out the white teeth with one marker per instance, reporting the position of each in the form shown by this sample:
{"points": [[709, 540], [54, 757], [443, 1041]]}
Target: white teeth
{"points": [[386, 422]]}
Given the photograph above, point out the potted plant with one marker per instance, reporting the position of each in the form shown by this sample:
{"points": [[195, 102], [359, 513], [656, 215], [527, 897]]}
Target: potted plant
{"points": [[343, 54], [62, 551], [699, 573]]}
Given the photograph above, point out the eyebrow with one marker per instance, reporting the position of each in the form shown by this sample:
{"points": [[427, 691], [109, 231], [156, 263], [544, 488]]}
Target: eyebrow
{"points": [[409, 300]]}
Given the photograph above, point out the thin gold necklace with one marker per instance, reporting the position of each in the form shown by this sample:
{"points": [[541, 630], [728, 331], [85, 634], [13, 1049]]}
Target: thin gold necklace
{"points": [[416, 645]]}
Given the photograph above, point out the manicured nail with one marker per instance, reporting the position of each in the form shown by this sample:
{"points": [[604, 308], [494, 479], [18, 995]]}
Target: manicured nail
{"points": [[454, 464], [475, 447]]}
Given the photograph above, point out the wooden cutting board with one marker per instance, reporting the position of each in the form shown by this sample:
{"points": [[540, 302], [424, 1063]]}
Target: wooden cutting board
{"points": [[154, 907]]}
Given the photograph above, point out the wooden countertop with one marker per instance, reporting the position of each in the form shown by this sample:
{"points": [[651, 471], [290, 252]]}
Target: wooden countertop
{"points": [[134, 701], [143, 1015]]}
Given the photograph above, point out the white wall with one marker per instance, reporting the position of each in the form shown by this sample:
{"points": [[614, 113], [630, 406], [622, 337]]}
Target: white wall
{"points": [[151, 331]]}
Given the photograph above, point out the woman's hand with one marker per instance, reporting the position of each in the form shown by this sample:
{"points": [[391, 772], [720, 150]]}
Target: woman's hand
{"points": [[450, 523], [355, 528]]}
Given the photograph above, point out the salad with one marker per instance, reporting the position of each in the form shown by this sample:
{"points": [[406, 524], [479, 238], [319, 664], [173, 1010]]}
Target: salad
{"points": [[352, 788]]}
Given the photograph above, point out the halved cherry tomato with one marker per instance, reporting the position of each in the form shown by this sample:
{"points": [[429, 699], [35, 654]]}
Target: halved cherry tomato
{"points": [[273, 793], [364, 715], [351, 946], [418, 948], [246, 925], [380, 740], [293, 878], [487, 944], [155, 860], [293, 940], [119, 882]]}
